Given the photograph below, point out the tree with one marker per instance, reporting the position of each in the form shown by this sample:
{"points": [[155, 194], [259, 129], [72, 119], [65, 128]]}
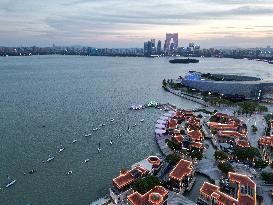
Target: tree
{"points": [[172, 145], [267, 177], [144, 185], [254, 128], [220, 155], [259, 163], [173, 159], [225, 167], [247, 153], [196, 154]]}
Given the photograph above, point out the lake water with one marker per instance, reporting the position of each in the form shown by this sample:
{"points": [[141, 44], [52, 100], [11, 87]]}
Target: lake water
{"points": [[48, 101]]}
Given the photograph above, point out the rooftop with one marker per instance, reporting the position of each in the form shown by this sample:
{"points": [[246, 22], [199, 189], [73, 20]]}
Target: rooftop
{"points": [[266, 140], [211, 190], [227, 133], [182, 169], [155, 196], [195, 135], [127, 177]]}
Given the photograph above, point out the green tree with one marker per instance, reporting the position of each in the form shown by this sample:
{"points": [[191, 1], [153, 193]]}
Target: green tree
{"points": [[247, 153], [259, 163], [267, 177], [145, 184], [225, 167], [196, 154], [220, 155], [173, 159]]}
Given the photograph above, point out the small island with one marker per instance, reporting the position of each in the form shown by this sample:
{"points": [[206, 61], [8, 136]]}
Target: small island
{"points": [[184, 61]]}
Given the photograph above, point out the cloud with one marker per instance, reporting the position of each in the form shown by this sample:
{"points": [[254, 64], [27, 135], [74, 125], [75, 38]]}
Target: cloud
{"points": [[87, 21]]}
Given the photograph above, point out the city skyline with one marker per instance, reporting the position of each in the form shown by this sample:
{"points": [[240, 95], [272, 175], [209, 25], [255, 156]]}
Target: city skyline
{"points": [[117, 23]]}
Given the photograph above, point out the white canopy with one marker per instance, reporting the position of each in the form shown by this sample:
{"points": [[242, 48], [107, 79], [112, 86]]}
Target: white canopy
{"points": [[160, 131], [161, 122], [160, 126]]}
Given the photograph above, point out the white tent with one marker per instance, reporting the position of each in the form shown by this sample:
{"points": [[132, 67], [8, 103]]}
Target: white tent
{"points": [[159, 131]]}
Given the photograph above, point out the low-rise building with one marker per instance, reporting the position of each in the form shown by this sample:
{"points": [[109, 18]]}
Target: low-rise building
{"points": [[181, 175], [266, 145], [122, 183], [151, 164], [239, 190], [156, 196]]}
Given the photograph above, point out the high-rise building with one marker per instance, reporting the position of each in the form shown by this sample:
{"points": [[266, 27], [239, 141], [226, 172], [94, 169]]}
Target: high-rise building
{"points": [[145, 49], [148, 48], [158, 47], [171, 43], [153, 51]]}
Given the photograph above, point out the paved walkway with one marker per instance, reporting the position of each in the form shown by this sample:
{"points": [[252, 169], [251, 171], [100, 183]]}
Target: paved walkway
{"points": [[179, 199]]}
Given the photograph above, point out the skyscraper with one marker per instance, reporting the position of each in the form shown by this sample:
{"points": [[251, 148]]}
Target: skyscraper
{"points": [[158, 47], [153, 50], [171, 43], [148, 48]]}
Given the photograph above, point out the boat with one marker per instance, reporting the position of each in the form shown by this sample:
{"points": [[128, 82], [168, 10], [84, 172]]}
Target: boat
{"points": [[95, 129], [87, 135], [74, 141], [69, 172], [50, 159], [111, 142], [32, 171], [102, 125], [61, 149], [184, 61], [86, 160], [112, 120], [270, 62], [142, 120], [11, 183], [99, 149]]}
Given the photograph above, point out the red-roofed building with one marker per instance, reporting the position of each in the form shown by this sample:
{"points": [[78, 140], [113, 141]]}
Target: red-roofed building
{"points": [[122, 183], [193, 122], [178, 138], [226, 136], [242, 143], [243, 192], [179, 115], [266, 145], [187, 113], [156, 196], [196, 135], [172, 124], [197, 146], [181, 175], [222, 126]]}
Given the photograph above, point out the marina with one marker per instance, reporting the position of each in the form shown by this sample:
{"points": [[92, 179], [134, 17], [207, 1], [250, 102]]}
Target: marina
{"points": [[64, 116]]}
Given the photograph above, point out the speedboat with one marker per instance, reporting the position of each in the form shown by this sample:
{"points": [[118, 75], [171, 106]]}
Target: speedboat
{"points": [[95, 129], [99, 149], [112, 120], [69, 172], [32, 171], [86, 160], [11, 183], [111, 142], [102, 125], [50, 159], [142, 120], [88, 135], [74, 141], [61, 149]]}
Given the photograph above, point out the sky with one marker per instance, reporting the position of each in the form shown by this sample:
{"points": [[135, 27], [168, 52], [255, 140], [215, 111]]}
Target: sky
{"points": [[128, 23]]}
